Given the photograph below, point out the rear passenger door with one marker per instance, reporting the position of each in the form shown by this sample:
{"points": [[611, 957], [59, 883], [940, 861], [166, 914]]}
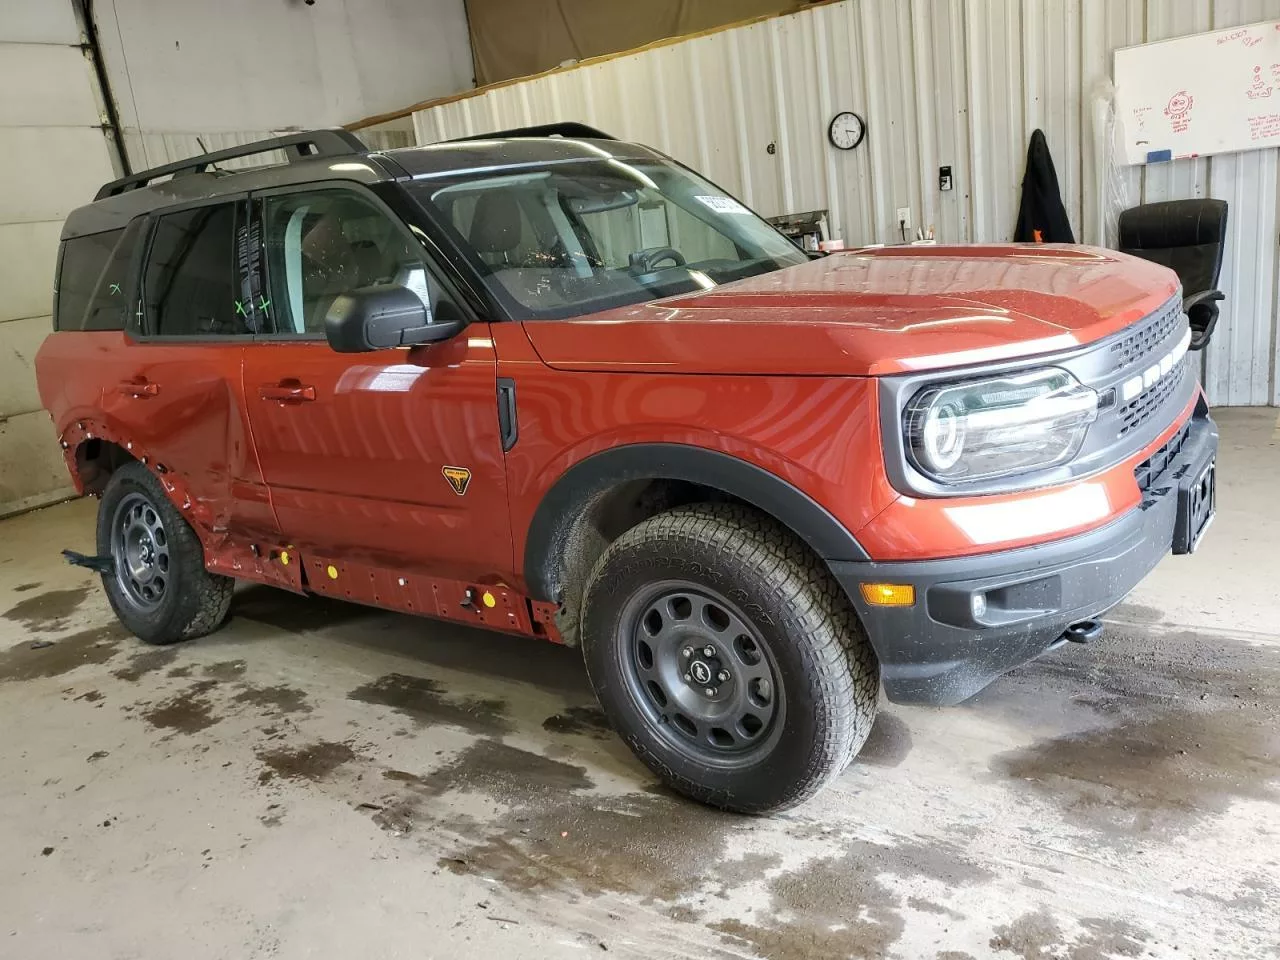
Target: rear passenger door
{"points": [[393, 458], [176, 391]]}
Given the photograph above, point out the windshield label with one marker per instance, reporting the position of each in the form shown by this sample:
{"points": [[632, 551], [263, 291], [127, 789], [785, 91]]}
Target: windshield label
{"points": [[723, 204]]}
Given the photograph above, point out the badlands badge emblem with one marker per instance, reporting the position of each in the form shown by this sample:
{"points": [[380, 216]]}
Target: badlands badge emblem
{"points": [[459, 478]]}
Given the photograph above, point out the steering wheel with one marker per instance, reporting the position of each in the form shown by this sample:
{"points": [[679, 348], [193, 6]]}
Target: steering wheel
{"points": [[647, 260]]}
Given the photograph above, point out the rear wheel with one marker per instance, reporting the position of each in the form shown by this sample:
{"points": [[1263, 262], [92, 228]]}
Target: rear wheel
{"points": [[158, 586], [728, 658]]}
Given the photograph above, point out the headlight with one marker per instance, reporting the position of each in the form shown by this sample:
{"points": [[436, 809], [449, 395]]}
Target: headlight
{"points": [[999, 426]]}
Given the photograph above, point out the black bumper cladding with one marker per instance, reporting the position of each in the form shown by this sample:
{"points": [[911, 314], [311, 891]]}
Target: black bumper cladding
{"points": [[946, 647]]}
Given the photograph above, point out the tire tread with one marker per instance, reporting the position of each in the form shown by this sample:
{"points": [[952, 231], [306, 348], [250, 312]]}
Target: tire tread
{"points": [[842, 675], [204, 597]]}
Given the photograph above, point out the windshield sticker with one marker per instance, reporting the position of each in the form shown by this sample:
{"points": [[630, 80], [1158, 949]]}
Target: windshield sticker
{"points": [[723, 204]]}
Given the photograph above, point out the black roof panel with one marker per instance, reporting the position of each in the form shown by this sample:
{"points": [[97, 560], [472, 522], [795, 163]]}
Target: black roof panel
{"points": [[192, 182]]}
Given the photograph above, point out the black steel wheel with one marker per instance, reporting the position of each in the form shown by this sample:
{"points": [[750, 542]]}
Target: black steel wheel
{"points": [[701, 672], [158, 585], [139, 551], [728, 658]]}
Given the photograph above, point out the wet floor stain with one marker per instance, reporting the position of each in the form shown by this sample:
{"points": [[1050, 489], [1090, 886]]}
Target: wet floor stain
{"points": [[647, 846], [839, 907], [583, 721], [24, 587], [181, 672], [1185, 727], [1165, 771], [889, 742], [187, 711], [836, 912], [279, 699], [225, 669], [47, 612], [1037, 934], [149, 661], [314, 761], [426, 702], [554, 836], [94, 646], [91, 696], [507, 773]]}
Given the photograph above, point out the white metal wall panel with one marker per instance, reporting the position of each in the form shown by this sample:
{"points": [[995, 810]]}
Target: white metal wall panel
{"points": [[22, 338], [956, 82], [32, 471], [38, 21], [53, 157], [49, 171], [28, 252], [34, 87]]}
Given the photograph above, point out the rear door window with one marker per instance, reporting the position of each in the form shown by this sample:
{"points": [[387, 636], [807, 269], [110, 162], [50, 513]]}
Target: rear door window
{"points": [[191, 287]]}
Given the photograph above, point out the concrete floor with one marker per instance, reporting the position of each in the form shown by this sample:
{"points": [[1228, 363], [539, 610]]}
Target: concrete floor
{"points": [[331, 781]]}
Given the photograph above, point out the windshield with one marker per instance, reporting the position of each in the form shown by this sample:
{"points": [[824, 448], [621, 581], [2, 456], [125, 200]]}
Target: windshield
{"points": [[570, 238]]}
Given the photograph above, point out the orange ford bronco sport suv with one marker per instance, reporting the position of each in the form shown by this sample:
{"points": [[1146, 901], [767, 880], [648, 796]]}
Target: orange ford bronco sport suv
{"points": [[563, 386]]}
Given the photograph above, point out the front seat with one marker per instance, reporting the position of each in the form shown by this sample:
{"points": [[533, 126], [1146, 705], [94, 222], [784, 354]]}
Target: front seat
{"points": [[1188, 237], [496, 229]]}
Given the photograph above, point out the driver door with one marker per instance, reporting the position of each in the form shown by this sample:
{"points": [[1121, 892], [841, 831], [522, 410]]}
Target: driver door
{"points": [[391, 458]]}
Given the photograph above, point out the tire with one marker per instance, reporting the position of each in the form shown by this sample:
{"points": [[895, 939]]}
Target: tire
{"points": [[741, 585], [172, 597]]}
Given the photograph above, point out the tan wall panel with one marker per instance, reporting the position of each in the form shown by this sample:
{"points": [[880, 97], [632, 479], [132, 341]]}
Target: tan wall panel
{"points": [[516, 38]]}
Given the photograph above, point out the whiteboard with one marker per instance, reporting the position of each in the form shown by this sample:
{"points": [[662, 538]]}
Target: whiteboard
{"points": [[1209, 93]]}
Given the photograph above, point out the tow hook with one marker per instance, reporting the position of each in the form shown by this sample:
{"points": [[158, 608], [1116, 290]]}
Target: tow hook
{"points": [[1084, 631]]}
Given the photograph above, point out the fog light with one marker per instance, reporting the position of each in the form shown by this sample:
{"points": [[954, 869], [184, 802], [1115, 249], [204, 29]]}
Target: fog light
{"points": [[889, 594], [978, 604]]}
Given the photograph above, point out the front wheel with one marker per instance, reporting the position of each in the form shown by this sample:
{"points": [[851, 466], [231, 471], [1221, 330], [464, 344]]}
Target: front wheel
{"points": [[728, 658], [158, 586]]}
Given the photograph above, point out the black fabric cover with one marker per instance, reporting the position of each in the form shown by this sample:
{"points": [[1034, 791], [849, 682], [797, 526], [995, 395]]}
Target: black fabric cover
{"points": [[1041, 216], [1187, 236]]}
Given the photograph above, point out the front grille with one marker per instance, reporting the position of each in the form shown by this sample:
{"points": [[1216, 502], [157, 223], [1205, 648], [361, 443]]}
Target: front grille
{"points": [[1149, 334], [1150, 470], [1138, 410]]}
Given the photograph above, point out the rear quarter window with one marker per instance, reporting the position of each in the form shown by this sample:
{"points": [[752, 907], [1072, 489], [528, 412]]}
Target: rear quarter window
{"points": [[81, 265], [94, 280]]}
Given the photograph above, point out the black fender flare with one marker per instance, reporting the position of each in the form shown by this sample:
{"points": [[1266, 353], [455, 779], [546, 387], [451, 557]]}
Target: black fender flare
{"points": [[577, 486]]}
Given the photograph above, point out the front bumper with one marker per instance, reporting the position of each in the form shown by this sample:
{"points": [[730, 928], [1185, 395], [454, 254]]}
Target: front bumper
{"points": [[937, 651]]}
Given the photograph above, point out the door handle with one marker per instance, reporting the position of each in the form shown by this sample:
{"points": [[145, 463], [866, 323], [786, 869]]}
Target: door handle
{"points": [[138, 389], [287, 391]]}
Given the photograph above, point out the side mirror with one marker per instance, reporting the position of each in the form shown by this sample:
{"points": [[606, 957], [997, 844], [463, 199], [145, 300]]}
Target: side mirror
{"points": [[385, 316]]}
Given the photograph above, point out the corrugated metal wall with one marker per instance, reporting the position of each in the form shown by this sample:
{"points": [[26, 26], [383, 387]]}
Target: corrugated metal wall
{"points": [[53, 154], [958, 82]]}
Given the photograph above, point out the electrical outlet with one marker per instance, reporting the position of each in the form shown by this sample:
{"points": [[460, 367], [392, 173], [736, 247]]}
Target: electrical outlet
{"points": [[904, 217]]}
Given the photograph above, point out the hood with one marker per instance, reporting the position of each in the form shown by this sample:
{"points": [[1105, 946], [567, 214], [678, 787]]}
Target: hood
{"points": [[872, 312]]}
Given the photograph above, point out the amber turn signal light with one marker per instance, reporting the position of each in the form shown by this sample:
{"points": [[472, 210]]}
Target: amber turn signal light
{"points": [[889, 594]]}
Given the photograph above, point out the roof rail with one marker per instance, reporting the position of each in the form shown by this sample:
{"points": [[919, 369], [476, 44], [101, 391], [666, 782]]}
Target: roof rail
{"points": [[334, 142], [568, 128]]}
